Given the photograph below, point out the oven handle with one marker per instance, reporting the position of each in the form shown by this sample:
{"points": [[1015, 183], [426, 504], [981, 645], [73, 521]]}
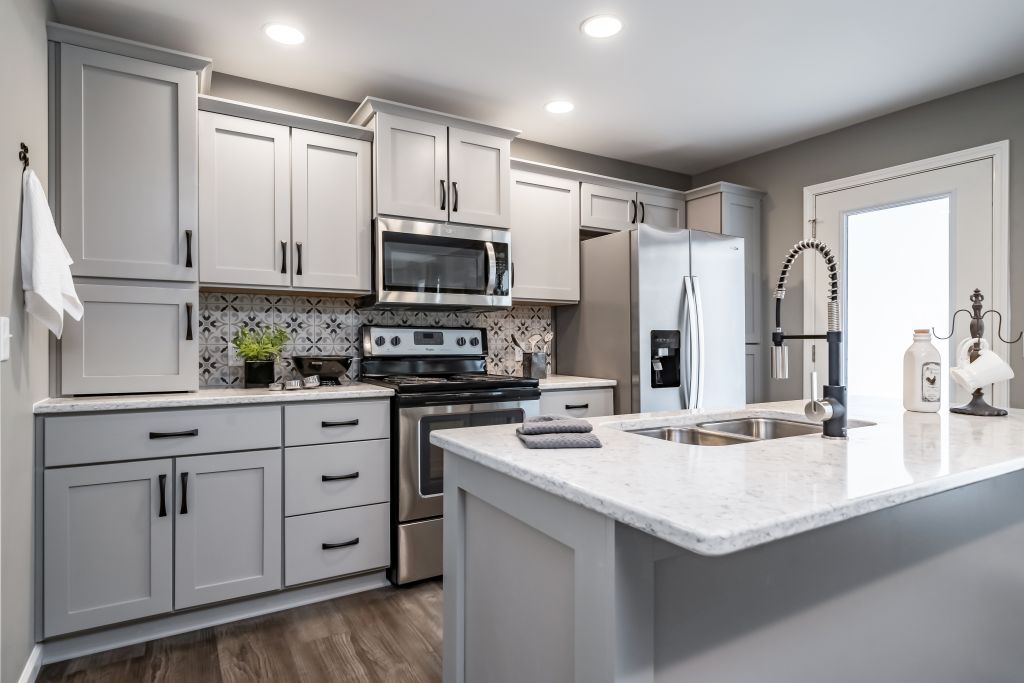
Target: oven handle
{"points": [[492, 267], [467, 398]]}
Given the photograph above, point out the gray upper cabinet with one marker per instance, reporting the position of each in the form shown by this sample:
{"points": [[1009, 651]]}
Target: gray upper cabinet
{"points": [[244, 202], [132, 339], [478, 174], [661, 211], [227, 527], [607, 208], [127, 158], [546, 238], [412, 168], [108, 543], [331, 213]]}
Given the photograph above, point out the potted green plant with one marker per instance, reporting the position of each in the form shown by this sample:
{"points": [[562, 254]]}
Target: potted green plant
{"points": [[260, 348]]}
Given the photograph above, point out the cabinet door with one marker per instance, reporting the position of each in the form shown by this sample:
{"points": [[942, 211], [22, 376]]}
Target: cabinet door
{"points": [[661, 212], [478, 171], [607, 208], [545, 238], [107, 544], [412, 168], [331, 225], [228, 528], [132, 340], [705, 213], [755, 367], [741, 217], [127, 166], [244, 199]]}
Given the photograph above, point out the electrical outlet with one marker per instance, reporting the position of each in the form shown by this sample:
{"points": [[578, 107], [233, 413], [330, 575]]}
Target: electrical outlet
{"points": [[233, 359], [518, 354]]}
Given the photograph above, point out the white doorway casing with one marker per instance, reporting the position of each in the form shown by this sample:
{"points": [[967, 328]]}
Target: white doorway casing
{"points": [[999, 295]]}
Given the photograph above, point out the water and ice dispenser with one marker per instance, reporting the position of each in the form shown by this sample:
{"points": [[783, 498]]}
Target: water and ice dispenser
{"points": [[665, 358]]}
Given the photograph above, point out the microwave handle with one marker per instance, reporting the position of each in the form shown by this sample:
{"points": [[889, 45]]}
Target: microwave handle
{"points": [[492, 267]]}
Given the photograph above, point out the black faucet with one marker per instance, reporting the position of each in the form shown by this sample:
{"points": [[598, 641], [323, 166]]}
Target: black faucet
{"points": [[831, 409]]}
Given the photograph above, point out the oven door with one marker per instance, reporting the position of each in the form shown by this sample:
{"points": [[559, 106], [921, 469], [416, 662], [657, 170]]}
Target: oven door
{"points": [[436, 264], [421, 464]]}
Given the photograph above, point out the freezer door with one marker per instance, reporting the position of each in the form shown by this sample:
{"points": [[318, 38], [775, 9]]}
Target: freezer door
{"points": [[661, 262], [716, 267]]}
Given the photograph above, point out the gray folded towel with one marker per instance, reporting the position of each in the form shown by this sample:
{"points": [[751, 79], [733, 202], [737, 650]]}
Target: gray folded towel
{"points": [[554, 424], [570, 440]]}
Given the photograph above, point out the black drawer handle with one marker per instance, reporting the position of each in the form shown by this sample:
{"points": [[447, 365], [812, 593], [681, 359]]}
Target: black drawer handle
{"points": [[344, 423], [184, 493], [579, 406], [188, 248], [339, 477], [343, 544], [188, 328], [173, 435], [163, 495]]}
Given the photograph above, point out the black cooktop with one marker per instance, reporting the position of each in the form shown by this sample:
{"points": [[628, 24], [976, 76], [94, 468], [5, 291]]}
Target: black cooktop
{"points": [[409, 384]]}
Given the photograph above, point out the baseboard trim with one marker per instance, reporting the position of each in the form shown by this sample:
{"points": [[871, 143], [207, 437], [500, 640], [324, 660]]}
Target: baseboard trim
{"points": [[32, 665], [130, 634]]}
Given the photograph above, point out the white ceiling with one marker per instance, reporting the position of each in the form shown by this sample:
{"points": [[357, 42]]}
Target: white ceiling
{"points": [[686, 86]]}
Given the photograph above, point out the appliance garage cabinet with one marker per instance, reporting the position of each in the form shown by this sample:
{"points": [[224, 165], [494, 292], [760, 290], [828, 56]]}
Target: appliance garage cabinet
{"points": [[437, 167], [282, 203], [545, 238], [148, 512]]}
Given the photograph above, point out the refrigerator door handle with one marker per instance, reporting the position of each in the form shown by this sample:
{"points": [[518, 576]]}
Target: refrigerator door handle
{"points": [[699, 403], [692, 345]]}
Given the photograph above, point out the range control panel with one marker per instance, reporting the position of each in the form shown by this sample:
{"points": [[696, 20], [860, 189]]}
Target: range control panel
{"points": [[423, 341]]}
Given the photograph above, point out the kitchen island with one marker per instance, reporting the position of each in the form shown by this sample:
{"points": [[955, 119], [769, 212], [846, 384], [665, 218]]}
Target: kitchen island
{"points": [[897, 555]]}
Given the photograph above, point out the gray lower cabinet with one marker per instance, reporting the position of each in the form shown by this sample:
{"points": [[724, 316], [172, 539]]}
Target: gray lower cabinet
{"points": [[328, 544], [227, 526], [132, 339], [107, 533], [578, 402]]}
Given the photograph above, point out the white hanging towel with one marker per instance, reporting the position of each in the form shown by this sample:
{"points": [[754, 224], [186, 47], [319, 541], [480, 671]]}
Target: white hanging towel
{"points": [[45, 262]]}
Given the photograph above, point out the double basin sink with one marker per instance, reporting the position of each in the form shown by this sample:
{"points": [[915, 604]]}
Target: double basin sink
{"points": [[734, 431]]}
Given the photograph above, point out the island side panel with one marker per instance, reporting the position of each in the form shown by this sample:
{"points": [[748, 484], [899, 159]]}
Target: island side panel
{"points": [[932, 590]]}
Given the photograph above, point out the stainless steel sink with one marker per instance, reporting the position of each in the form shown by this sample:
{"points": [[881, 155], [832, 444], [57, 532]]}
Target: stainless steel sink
{"points": [[691, 436], [762, 428]]}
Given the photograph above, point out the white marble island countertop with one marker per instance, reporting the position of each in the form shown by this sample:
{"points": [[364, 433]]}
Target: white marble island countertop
{"points": [[207, 397], [716, 500]]}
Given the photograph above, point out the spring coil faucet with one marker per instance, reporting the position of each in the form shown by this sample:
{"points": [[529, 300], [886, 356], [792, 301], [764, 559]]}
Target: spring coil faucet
{"points": [[831, 409]]}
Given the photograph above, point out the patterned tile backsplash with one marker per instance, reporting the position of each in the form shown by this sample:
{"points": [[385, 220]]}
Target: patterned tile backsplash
{"points": [[330, 325]]}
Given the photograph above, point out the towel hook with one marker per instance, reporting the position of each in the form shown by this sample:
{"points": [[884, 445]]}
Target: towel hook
{"points": [[23, 156]]}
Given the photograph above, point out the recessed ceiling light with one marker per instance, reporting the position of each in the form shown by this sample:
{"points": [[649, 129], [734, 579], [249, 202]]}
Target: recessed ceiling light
{"points": [[289, 35], [559, 107], [601, 26]]}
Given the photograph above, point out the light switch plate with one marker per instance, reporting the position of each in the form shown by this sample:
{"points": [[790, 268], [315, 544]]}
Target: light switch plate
{"points": [[5, 339]]}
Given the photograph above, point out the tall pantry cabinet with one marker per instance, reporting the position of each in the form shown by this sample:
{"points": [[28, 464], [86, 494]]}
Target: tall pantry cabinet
{"points": [[124, 192]]}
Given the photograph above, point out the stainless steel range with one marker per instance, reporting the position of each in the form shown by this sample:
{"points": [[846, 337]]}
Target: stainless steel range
{"points": [[440, 381]]}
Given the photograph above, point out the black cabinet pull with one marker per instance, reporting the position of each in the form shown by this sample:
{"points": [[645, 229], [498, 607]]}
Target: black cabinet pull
{"points": [[173, 435], [188, 248], [284, 257], [339, 477], [455, 196], [163, 495], [184, 493], [444, 196], [344, 423], [343, 544], [188, 322], [580, 406], [632, 205], [513, 269], [643, 212], [298, 251]]}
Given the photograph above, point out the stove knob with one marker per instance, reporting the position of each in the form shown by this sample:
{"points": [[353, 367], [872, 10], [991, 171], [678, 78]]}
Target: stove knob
{"points": [[461, 341], [396, 340], [475, 341], [379, 341]]}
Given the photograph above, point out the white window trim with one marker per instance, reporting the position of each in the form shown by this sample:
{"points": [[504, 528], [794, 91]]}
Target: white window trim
{"points": [[999, 299]]}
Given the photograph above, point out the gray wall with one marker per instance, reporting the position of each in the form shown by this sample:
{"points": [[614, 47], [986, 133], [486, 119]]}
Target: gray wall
{"points": [[299, 101], [23, 118], [974, 117]]}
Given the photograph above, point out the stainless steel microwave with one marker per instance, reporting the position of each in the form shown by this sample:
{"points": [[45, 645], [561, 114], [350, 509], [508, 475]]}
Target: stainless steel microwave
{"points": [[419, 263]]}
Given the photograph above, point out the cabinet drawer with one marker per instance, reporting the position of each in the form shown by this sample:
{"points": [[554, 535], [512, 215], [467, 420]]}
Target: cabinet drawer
{"points": [[313, 423], [360, 536], [332, 476], [81, 439], [577, 402]]}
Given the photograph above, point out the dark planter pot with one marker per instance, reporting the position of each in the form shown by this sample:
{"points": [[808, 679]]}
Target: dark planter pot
{"points": [[259, 373]]}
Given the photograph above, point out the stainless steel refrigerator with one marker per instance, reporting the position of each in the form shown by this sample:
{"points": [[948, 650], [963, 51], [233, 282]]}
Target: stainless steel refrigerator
{"points": [[662, 312]]}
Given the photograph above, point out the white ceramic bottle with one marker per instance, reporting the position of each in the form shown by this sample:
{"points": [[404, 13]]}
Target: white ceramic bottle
{"points": [[922, 375]]}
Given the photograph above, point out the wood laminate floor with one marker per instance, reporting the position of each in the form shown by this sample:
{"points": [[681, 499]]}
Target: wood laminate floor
{"points": [[389, 634]]}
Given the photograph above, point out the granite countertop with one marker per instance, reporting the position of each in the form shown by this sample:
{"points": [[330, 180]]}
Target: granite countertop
{"points": [[554, 382], [207, 397], [716, 500]]}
